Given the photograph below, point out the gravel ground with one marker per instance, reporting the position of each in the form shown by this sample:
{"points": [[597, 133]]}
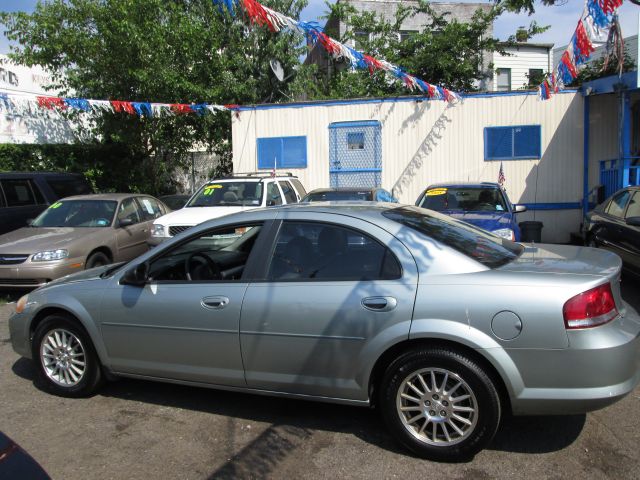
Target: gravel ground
{"points": [[137, 429]]}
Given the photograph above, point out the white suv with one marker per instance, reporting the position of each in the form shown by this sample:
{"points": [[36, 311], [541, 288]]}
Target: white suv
{"points": [[227, 195]]}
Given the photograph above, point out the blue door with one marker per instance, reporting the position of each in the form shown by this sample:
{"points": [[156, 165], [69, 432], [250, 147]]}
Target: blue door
{"points": [[355, 154]]}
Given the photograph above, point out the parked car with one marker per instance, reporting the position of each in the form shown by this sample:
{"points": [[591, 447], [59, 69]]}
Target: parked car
{"points": [[77, 233], [15, 462], [615, 225], [428, 317], [218, 197], [341, 194], [175, 202], [24, 195], [485, 205]]}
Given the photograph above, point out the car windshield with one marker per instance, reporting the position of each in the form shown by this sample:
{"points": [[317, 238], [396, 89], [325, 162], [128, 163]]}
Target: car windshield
{"points": [[467, 199], [484, 247], [338, 195], [77, 213], [228, 194]]}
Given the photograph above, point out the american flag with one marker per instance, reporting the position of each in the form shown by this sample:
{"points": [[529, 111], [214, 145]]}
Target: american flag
{"points": [[501, 178]]}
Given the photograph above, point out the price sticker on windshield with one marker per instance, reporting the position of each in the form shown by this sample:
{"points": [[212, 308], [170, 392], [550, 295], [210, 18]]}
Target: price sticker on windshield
{"points": [[436, 191], [56, 205], [209, 189]]}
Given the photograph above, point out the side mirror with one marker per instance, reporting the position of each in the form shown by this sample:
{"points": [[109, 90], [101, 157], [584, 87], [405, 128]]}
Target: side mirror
{"points": [[633, 221], [137, 276], [519, 208], [125, 222]]}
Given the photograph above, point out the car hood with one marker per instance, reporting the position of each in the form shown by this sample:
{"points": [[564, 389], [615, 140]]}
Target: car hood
{"points": [[30, 240], [196, 215], [91, 274], [485, 220], [541, 258]]}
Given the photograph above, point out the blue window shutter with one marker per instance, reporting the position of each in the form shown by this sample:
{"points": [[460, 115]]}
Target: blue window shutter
{"points": [[294, 152], [512, 143], [269, 152], [283, 152], [526, 142]]}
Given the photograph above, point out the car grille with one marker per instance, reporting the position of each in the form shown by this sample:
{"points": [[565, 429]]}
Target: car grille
{"points": [[176, 229], [8, 259], [18, 281]]}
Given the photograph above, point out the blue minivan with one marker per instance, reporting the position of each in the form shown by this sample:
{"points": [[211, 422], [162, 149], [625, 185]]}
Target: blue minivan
{"points": [[484, 205]]}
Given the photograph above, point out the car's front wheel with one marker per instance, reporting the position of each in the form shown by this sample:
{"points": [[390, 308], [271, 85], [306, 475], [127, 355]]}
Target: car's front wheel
{"points": [[440, 404], [66, 360]]}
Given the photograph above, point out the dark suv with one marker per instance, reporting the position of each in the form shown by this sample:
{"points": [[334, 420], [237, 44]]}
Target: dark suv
{"points": [[24, 195]]}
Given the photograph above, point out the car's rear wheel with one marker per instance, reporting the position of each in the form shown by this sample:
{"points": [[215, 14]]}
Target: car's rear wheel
{"points": [[67, 363], [97, 259], [440, 404]]}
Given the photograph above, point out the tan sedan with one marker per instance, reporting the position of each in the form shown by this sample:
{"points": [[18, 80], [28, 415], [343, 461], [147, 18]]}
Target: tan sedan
{"points": [[77, 233]]}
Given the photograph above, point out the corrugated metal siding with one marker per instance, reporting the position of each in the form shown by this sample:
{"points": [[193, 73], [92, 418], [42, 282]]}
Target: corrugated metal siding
{"points": [[603, 133], [520, 61], [424, 142]]}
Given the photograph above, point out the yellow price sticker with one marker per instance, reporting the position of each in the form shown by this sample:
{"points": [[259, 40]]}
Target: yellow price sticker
{"points": [[436, 191], [208, 190], [56, 205]]}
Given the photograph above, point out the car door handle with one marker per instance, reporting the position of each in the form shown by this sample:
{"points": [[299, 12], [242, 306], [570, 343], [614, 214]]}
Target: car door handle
{"points": [[379, 304], [214, 303]]}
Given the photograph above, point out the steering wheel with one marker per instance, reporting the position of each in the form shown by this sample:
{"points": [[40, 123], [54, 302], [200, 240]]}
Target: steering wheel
{"points": [[204, 261]]}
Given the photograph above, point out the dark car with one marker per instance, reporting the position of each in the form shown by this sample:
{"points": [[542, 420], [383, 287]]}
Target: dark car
{"points": [[23, 195], [175, 202], [342, 194], [615, 226], [15, 462], [484, 205]]}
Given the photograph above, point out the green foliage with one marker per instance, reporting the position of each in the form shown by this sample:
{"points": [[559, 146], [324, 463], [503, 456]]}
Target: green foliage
{"points": [[160, 51]]}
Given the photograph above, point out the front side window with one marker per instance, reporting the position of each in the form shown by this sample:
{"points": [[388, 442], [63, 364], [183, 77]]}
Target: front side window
{"points": [[618, 203], [77, 214], [307, 251], [634, 206], [217, 255], [482, 246], [128, 210], [273, 195], [467, 199], [228, 194], [18, 193]]}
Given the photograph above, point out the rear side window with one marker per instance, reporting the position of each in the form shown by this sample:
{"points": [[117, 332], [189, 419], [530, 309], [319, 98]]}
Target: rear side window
{"points": [[473, 242], [298, 186], [18, 193], [289, 194], [319, 252], [634, 206], [273, 195], [67, 187]]}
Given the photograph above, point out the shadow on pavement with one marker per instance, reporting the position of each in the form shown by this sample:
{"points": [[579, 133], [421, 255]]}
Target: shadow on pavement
{"points": [[292, 422]]}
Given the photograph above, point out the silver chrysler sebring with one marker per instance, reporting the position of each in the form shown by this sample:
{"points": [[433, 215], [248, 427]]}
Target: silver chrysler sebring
{"points": [[444, 327]]}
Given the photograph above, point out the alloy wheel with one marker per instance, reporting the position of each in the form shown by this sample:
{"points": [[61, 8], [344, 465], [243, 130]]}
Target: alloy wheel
{"points": [[63, 357]]}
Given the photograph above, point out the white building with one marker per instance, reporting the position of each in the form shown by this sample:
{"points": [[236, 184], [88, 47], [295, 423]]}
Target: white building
{"points": [[29, 124], [523, 67], [405, 144]]}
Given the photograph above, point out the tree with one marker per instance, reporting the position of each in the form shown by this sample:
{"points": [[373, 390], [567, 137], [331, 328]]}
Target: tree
{"points": [[160, 51], [445, 52]]}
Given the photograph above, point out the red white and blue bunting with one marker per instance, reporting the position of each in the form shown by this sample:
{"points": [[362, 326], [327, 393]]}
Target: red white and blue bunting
{"points": [[19, 103], [258, 14], [594, 26]]}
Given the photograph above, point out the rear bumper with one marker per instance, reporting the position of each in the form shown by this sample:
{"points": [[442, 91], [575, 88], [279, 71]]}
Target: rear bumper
{"points": [[36, 274], [600, 367]]}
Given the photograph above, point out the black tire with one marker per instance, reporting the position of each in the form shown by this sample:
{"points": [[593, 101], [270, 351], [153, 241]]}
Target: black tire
{"points": [[97, 259], [440, 406], [71, 338]]}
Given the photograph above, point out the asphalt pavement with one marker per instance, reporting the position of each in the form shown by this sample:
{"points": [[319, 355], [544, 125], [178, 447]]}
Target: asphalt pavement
{"points": [[138, 429]]}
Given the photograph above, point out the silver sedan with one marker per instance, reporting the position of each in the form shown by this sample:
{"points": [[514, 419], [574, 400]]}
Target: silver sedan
{"points": [[441, 325]]}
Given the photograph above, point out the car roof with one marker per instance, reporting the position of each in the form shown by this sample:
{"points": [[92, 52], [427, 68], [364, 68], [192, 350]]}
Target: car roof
{"points": [[106, 196], [342, 189], [465, 184], [40, 174], [254, 176]]}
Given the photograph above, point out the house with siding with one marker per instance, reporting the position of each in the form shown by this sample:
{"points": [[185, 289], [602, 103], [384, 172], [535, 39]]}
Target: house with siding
{"points": [[523, 65]]}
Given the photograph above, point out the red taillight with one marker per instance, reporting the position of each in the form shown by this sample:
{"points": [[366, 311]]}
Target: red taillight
{"points": [[591, 308]]}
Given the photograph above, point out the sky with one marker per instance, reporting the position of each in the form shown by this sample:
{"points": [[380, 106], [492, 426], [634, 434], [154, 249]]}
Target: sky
{"points": [[562, 19]]}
